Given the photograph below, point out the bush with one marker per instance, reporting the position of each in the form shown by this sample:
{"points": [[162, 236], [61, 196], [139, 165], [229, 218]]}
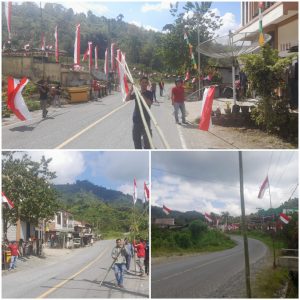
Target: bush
{"points": [[196, 228]]}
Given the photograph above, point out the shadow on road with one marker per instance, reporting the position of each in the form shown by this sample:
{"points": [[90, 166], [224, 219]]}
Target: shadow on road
{"points": [[112, 286]]}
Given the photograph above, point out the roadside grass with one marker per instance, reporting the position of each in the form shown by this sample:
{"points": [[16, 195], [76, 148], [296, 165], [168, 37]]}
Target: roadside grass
{"points": [[179, 244]]}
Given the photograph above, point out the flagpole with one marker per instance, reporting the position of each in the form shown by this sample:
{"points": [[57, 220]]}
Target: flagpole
{"points": [[273, 229]]}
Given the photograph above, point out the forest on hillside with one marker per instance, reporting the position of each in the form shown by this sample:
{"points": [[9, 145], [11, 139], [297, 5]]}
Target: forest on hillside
{"points": [[145, 48]]}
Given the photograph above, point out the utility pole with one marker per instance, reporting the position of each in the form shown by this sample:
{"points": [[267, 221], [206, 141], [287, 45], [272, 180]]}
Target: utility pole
{"points": [[244, 229], [198, 42]]}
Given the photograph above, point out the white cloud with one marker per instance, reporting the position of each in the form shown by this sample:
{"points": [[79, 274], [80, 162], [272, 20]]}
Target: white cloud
{"points": [[67, 164], [147, 27], [164, 5]]}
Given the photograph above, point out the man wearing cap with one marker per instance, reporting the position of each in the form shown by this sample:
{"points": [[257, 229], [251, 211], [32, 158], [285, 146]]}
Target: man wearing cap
{"points": [[177, 96]]}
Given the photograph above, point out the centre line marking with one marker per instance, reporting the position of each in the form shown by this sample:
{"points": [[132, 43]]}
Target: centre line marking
{"points": [[89, 127], [71, 277]]}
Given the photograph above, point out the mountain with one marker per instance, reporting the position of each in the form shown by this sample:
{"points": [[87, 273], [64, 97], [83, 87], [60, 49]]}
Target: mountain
{"points": [[68, 193]]}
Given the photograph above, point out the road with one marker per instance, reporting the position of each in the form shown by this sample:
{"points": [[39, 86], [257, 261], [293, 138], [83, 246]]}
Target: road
{"points": [[75, 276], [104, 124], [213, 275]]}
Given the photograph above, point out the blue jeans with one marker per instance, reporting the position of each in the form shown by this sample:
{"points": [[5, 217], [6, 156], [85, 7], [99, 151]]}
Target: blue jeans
{"points": [[180, 106], [13, 261], [128, 260], [119, 271]]}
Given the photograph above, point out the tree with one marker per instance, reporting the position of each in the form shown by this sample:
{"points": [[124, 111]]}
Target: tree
{"points": [[266, 72], [26, 183]]}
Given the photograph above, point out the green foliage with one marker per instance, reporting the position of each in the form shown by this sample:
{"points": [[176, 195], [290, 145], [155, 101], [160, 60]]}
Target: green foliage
{"points": [[25, 182], [266, 72], [197, 228]]}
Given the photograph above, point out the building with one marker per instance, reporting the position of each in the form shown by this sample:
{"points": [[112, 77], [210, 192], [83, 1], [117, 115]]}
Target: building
{"points": [[165, 222], [280, 20]]}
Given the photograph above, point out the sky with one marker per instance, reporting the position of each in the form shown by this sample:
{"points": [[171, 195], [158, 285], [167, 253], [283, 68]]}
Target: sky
{"points": [[208, 181], [151, 14], [110, 169]]}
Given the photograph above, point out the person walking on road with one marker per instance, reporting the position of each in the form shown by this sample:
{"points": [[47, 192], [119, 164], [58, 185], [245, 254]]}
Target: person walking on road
{"points": [[119, 256], [43, 90], [139, 135], [161, 87], [129, 253], [14, 254], [153, 90], [177, 96], [140, 252]]}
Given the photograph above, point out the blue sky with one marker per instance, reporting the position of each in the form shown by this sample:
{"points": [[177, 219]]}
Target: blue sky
{"points": [[110, 169], [151, 14]]}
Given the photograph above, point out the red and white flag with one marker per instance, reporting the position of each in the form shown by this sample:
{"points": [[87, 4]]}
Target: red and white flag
{"points": [[6, 200], [187, 76], [15, 101], [263, 188], [112, 57], [8, 6], [166, 210], [43, 41], [134, 191], [284, 218], [106, 63], [208, 217], [77, 46], [206, 108], [86, 54], [90, 55], [146, 192], [56, 45], [96, 57], [122, 76]]}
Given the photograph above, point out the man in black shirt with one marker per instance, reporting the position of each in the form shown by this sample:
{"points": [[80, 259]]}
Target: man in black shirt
{"points": [[43, 89], [138, 130]]}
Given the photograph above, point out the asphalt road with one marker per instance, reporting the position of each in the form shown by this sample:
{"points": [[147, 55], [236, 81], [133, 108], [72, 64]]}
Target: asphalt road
{"points": [[103, 124], [203, 276], [75, 276]]}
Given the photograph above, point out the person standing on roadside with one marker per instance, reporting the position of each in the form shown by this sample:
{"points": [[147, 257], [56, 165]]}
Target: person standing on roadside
{"points": [[129, 253], [161, 87], [14, 254], [43, 90], [177, 96], [140, 249], [140, 138]]}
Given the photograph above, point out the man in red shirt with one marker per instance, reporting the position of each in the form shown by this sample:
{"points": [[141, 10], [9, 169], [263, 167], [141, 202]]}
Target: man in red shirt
{"points": [[14, 254], [177, 96], [140, 252]]}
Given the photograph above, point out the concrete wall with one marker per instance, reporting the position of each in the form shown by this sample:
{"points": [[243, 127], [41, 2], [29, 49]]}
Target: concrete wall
{"points": [[287, 35]]}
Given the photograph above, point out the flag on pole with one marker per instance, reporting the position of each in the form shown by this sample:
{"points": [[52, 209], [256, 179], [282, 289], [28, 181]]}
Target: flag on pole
{"points": [[263, 188], [96, 57], [77, 46], [187, 76], [90, 56], [185, 37], [15, 101], [122, 76], [284, 218], [86, 54], [206, 108], [134, 191], [208, 217], [6, 200], [8, 6], [106, 63], [146, 192], [166, 210], [261, 39], [112, 57], [56, 45], [43, 42]]}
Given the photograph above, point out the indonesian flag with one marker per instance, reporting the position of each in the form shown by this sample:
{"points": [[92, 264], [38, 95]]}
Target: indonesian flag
{"points": [[8, 6], [146, 192], [166, 210], [77, 46], [284, 218], [112, 57], [90, 55], [96, 57], [56, 45], [106, 63], [123, 79], [263, 188], [6, 200], [43, 42], [187, 76], [86, 53], [208, 217], [134, 191], [15, 101], [208, 98]]}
